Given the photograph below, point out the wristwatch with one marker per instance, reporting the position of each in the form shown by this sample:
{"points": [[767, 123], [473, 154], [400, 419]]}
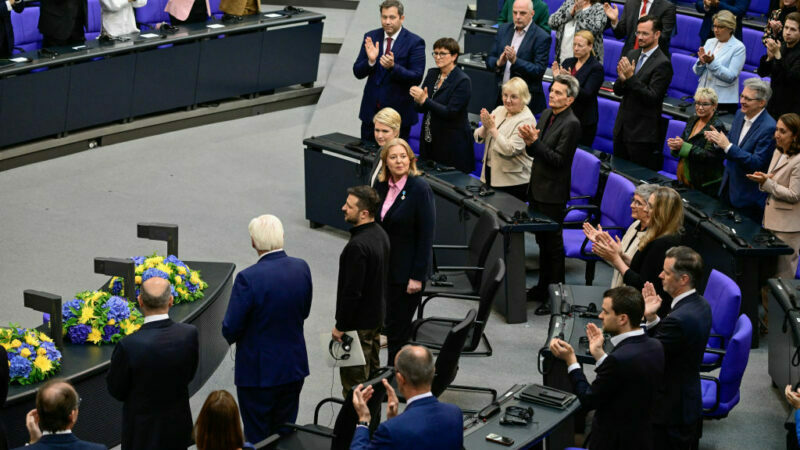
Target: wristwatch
{"points": [[364, 423]]}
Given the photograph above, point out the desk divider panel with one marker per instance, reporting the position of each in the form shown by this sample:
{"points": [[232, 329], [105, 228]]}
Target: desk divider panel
{"points": [[290, 56], [165, 78], [33, 105], [228, 66], [100, 91]]}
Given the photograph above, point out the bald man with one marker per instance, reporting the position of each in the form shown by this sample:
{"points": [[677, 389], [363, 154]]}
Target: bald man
{"points": [[150, 373]]}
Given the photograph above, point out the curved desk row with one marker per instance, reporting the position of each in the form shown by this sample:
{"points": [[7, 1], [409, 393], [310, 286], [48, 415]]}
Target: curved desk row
{"points": [[98, 83], [85, 366]]}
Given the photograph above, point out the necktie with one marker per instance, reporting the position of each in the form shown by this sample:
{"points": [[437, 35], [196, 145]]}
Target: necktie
{"points": [[388, 46], [641, 13], [640, 63]]}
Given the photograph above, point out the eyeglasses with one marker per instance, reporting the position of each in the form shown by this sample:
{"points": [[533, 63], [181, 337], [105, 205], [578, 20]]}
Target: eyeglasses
{"points": [[703, 104], [718, 26], [747, 99], [643, 33], [440, 54]]}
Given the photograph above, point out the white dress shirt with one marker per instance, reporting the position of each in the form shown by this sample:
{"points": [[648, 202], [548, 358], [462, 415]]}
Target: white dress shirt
{"points": [[156, 318], [614, 340], [516, 41], [748, 123], [675, 301], [383, 44]]}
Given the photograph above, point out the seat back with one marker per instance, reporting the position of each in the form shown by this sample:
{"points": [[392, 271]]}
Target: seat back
{"points": [[585, 177], [480, 242], [615, 207], [612, 51], [684, 81], [674, 129], [447, 360], [494, 278], [152, 13], [754, 49], [215, 11], [758, 8], [477, 151], [725, 298], [733, 365], [607, 114], [26, 29], [95, 20], [415, 133], [346, 420], [687, 41], [552, 56]]}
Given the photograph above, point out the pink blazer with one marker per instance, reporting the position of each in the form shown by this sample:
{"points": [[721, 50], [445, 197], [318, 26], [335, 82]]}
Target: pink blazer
{"points": [[180, 8]]}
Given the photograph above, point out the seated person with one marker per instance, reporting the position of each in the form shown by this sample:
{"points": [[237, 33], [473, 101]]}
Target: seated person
{"points": [[219, 425], [624, 389], [700, 164], [118, 17]]}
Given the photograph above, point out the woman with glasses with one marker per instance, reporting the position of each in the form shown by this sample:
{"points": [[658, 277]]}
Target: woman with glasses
{"points": [[445, 136], [700, 161], [720, 61]]}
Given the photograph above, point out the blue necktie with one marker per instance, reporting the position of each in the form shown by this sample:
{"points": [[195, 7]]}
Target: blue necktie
{"points": [[639, 63]]}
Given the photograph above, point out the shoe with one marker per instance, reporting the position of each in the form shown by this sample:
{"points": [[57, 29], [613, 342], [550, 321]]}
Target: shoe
{"points": [[543, 309], [384, 341]]}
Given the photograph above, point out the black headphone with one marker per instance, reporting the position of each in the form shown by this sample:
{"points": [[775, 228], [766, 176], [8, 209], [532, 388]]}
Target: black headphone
{"points": [[345, 345]]}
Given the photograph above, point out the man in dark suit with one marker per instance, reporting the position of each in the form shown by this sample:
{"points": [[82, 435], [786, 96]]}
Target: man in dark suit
{"points": [[748, 148], [6, 28], [644, 76], [677, 419], [392, 59], [50, 424], [710, 7], [269, 302], [150, 373], [552, 145], [361, 291], [782, 65], [626, 26], [62, 22], [623, 391], [521, 49], [426, 423]]}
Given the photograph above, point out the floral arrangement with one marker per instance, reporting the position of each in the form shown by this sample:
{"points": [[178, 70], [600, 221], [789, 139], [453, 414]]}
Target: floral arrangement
{"points": [[186, 284], [99, 317], [32, 355]]}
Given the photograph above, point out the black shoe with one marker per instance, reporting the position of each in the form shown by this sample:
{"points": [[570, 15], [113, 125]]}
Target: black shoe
{"points": [[543, 309]]}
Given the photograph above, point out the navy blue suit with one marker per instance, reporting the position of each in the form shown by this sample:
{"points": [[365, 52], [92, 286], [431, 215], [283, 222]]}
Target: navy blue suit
{"points": [[684, 335], [63, 442], [410, 224], [753, 154], [451, 135], [6, 28], [269, 302], [532, 59], [623, 393], [390, 87], [150, 373], [426, 424], [590, 78]]}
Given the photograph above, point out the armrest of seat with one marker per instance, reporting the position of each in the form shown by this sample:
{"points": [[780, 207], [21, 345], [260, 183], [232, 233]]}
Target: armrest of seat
{"points": [[716, 399], [716, 351], [306, 429], [453, 268], [267, 443], [322, 403], [450, 247], [581, 197], [576, 224], [420, 321], [421, 308]]}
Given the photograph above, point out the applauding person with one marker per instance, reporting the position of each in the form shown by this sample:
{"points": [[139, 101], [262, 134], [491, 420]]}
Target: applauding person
{"points": [[720, 61], [782, 65]]}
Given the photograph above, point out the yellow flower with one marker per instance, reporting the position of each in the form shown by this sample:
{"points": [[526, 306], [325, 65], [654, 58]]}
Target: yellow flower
{"points": [[132, 328], [111, 321], [181, 290], [41, 351], [15, 343], [87, 314], [43, 364], [31, 340], [25, 352], [44, 337], [95, 336], [178, 280], [181, 270], [6, 346], [138, 279], [195, 279], [164, 268], [139, 269]]}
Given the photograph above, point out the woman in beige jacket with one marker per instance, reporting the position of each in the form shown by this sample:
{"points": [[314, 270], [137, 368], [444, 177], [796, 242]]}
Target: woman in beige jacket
{"points": [[782, 182], [506, 166]]}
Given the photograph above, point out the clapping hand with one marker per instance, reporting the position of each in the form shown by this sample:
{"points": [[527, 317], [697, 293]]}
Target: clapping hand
{"points": [[419, 95], [652, 301], [557, 69], [607, 247], [612, 12], [705, 58], [576, 7], [596, 341], [387, 60], [773, 49], [675, 143], [391, 402], [776, 26], [487, 120], [759, 177], [32, 424], [562, 350], [372, 50], [793, 397], [718, 138], [510, 54], [591, 232], [625, 69], [528, 133], [361, 396]]}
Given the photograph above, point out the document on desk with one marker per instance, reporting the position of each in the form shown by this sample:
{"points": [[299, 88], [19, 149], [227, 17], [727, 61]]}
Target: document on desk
{"points": [[273, 15], [215, 25], [148, 35]]}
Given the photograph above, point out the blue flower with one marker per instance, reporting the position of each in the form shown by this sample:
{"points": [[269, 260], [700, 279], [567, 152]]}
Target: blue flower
{"points": [[174, 293], [174, 260], [52, 352], [31, 348], [77, 333], [138, 260], [116, 286], [20, 367], [191, 287], [153, 272], [109, 331], [118, 309], [75, 304]]}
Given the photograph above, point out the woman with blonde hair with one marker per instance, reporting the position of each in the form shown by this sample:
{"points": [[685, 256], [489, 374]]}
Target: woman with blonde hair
{"points": [[665, 209], [720, 61], [387, 123]]}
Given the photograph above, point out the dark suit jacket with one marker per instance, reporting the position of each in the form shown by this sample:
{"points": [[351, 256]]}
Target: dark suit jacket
{"points": [[590, 77], [639, 116], [363, 270], [623, 394], [63, 442], [390, 87], [684, 335], [451, 135], [753, 154], [647, 264], [552, 157], [6, 28], [150, 373], [57, 18], [704, 159], [426, 424], [785, 75], [737, 7], [269, 302], [532, 59], [410, 224], [626, 27]]}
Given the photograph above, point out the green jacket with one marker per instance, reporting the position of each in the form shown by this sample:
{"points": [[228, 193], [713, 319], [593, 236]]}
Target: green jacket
{"points": [[541, 13]]}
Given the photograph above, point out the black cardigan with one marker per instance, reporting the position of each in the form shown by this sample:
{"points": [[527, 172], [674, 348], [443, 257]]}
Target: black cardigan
{"points": [[647, 264]]}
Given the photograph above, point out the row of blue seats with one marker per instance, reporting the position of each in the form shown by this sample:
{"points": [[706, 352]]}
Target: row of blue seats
{"points": [[26, 25], [757, 8]]}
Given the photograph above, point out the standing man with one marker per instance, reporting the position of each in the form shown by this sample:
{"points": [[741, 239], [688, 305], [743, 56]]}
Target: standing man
{"points": [[684, 334], [626, 25], [782, 65], [361, 292], [552, 145], [269, 302], [624, 389], [748, 148], [7, 28], [150, 373], [62, 22], [521, 49], [644, 76], [392, 59]]}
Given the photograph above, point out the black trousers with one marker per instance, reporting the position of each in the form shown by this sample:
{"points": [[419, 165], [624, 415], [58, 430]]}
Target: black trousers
{"points": [[368, 132], [588, 133], [551, 248], [198, 14], [520, 190], [266, 409], [76, 37], [400, 309], [677, 437], [645, 154]]}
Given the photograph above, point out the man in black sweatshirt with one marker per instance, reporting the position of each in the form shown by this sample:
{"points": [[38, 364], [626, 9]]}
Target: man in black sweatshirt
{"points": [[360, 295]]}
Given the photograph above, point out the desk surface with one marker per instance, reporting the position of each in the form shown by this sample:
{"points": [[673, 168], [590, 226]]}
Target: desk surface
{"points": [[545, 419], [138, 41]]}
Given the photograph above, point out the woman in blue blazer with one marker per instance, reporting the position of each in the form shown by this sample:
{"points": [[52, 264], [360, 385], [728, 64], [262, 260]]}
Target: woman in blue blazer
{"points": [[589, 72], [407, 215], [720, 61], [445, 136]]}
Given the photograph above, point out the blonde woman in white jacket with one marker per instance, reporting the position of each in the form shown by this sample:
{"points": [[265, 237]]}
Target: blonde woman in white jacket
{"points": [[506, 166]]}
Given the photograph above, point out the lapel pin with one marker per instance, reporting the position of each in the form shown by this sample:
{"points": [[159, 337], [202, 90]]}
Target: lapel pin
{"points": [[403, 195]]}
